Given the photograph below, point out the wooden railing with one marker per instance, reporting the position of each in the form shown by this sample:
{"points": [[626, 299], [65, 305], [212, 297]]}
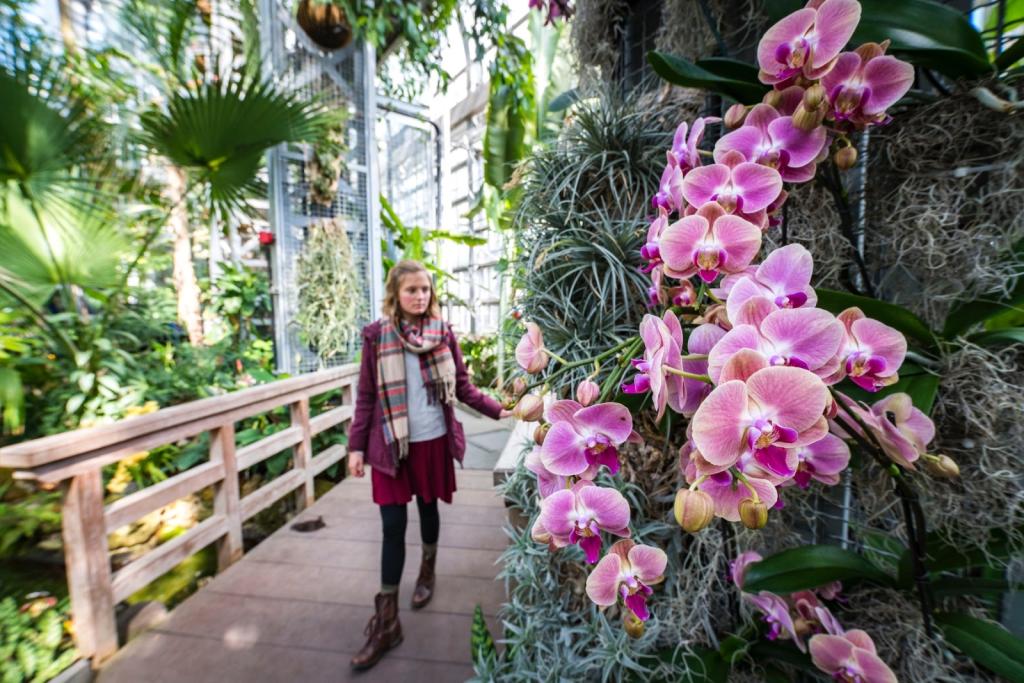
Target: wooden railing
{"points": [[74, 460]]}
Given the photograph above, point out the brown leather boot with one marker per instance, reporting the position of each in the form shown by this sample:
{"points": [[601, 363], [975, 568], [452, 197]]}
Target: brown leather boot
{"points": [[424, 583], [384, 631]]}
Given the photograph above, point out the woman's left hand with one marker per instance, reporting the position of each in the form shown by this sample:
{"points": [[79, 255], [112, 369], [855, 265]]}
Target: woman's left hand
{"points": [[504, 413]]}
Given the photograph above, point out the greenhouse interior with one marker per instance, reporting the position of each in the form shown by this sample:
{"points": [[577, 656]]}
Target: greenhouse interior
{"points": [[558, 270]]}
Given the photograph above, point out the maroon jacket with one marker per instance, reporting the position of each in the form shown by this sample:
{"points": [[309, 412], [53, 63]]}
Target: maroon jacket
{"points": [[366, 433]]}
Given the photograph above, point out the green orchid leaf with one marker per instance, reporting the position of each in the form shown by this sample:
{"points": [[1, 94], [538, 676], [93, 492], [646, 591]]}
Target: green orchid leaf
{"points": [[895, 316], [950, 586], [966, 314], [809, 567], [987, 643], [1012, 335], [944, 556], [679, 71]]}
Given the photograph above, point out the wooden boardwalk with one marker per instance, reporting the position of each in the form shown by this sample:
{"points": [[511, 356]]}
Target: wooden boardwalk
{"points": [[294, 608]]}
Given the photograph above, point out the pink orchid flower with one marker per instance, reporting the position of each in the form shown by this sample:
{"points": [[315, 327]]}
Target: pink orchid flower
{"points": [[663, 339], [776, 614], [669, 196], [701, 341], [582, 439], [864, 83], [770, 139], [530, 352], [684, 146], [806, 338], [822, 461], [807, 41], [775, 410], [738, 185], [738, 567], [651, 250], [547, 483], [850, 657], [902, 430], [709, 243], [579, 515], [627, 571], [784, 277], [871, 353]]}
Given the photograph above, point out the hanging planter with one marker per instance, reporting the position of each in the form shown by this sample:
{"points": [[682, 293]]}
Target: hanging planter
{"points": [[325, 23]]}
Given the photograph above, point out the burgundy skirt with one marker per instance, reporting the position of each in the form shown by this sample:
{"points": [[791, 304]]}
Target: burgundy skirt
{"points": [[428, 472]]}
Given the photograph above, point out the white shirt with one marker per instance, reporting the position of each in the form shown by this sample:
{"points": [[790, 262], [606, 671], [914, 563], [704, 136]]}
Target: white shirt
{"points": [[426, 420]]}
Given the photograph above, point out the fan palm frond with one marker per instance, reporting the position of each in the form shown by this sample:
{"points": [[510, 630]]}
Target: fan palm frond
{"points": [[219, 132]]}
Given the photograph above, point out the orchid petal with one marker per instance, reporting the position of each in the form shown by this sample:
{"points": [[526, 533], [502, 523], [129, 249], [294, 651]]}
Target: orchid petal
{"points": [[834, 26], [718, 423], [791, 397], [603, 582], [562, 452], [889, 80], [757, 185]]}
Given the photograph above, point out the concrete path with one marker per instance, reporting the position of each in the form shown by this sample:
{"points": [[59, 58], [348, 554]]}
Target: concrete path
{"points": [[294, 608]]}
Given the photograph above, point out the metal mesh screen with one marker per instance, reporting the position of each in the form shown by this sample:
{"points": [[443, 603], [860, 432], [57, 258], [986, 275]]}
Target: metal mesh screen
{"points": [[343, 78]]}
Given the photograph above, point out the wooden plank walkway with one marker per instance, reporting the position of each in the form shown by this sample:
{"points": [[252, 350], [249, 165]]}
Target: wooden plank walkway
{"points": [[294, 608]]}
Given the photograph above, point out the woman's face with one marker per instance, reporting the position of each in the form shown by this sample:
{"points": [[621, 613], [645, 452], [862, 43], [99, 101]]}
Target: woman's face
{"points": [[414, 294]]}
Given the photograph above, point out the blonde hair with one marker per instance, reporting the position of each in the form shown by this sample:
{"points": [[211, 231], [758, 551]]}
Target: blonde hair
{"points": [[391, 309]]}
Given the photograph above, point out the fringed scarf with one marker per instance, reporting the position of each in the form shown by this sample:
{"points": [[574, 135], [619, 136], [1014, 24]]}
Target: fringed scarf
{"points": [[436, 365]]}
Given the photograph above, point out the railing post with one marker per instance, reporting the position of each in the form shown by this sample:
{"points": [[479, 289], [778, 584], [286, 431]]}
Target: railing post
{"points": [[88, 567], [304, 449], [226, 501]]}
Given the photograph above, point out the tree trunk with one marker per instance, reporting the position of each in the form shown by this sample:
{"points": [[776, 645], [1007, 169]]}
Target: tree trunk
{"points": [[190, 313], [67, 31]]}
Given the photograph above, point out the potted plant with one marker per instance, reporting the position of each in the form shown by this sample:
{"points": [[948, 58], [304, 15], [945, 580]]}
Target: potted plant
{"points": [[325, 23]]}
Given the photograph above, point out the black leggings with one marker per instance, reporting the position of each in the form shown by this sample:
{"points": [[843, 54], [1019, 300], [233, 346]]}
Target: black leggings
{"points": [[395, 517]]}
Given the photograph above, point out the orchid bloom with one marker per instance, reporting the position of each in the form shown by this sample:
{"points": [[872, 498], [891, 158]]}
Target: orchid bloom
{"points": [[850, 657], [807, 41], [547, 483], [900, 428], [770, 139], [530, 352], [669, 196], [663, 340], [684, 146], [864, 83], [872, 352], [807, 338], [627, 571], [738, 185], [822, 461], [776, 614], [709, 243], [784, 277], [578, 515], [777, 409], [738, 567], [582, 439], [651, 251]]}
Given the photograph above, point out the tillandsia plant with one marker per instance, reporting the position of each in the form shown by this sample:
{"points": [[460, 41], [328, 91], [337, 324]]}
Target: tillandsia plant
{"points": [[736, 344]]}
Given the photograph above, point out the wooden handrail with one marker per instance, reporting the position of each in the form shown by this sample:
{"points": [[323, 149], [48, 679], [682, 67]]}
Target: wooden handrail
{"points": [[75, 460]]}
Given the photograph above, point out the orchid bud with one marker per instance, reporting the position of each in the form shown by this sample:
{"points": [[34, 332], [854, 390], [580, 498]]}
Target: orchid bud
{"points": [[509, 403], [735, 115], [530, 408], [814, 97], [540, 433], [518, 386], [684, 295], [694, 509], [845, 158], [773, 98], [753, 513], [807, 119], [632, 625], [941, 466], [587, 392]]}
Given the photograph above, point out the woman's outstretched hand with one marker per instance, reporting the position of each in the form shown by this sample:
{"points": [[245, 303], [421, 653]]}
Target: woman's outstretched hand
{"points": [[355, 464], [504, 413]]}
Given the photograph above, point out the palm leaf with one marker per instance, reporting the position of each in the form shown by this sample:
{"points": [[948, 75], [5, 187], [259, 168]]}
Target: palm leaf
{"points": [[219, 133]]}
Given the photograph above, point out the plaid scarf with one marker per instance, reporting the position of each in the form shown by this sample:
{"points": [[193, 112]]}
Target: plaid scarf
{"points": [[436, 365]]}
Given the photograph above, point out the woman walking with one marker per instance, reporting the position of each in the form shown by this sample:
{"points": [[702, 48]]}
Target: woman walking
{"points": [[405, 429]]}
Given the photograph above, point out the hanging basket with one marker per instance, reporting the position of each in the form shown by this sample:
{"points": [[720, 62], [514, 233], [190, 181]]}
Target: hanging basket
{"points": [[325, 24]]}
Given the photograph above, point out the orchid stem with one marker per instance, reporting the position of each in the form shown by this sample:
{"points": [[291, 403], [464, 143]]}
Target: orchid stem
{"points": [[698, 482], [746, 482], [688, 375], [696, 356]]}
